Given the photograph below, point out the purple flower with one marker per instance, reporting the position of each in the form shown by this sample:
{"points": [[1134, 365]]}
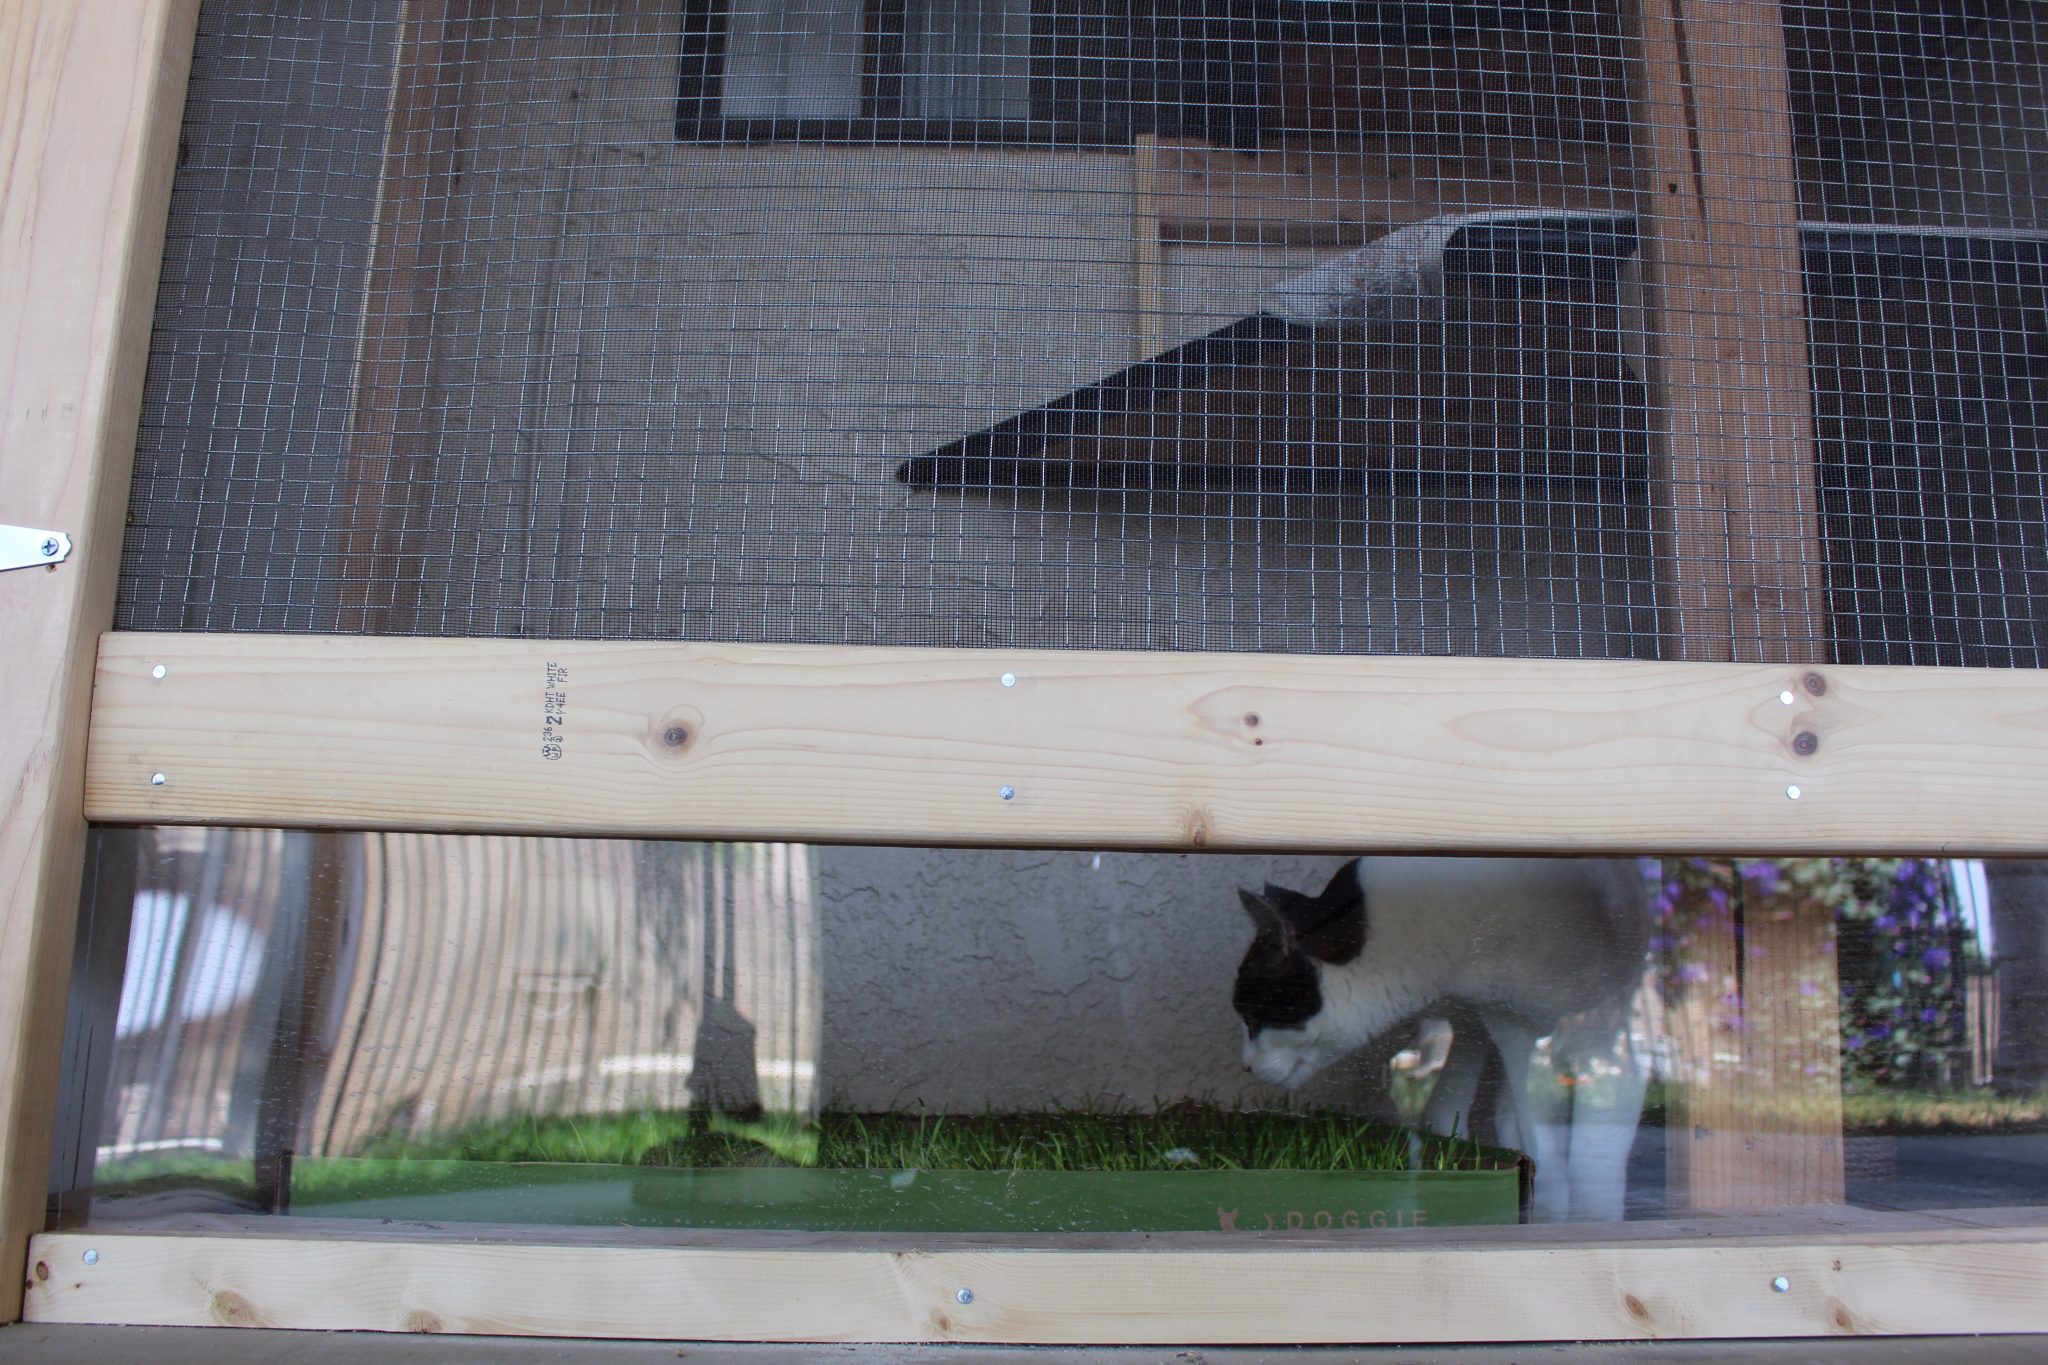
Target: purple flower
{"points": [[1692, 973], [1765, 877], [1928, 1016], [1879, 1032], [1718, 897], [1935, 959]]}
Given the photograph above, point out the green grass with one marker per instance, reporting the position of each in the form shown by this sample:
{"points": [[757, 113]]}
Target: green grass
{"points": [[614, 1139], [234, 1177], [1182, 1137], [1887, 1113], [1872, 1111]]}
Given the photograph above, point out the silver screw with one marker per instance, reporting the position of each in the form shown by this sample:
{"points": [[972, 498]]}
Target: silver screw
{"points": [[158, 671], [1007, 793], [50, 548], [1782, 1285], [92, 1257], [1009, 679], [965, 1296], [1792, 792], [1786, 697], [156, 779]]}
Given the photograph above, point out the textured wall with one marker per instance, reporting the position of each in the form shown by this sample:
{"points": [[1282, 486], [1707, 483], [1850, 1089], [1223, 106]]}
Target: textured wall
{"points": [[964, 979]]}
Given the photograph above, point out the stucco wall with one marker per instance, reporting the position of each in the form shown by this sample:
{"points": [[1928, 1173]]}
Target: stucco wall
{"points": [[1009, 979]]}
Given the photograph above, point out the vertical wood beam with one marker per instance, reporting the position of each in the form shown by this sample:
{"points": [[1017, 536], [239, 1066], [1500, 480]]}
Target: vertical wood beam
{"points": [[1741, 544], [394, 349], [91, 93], [1723, 213]]}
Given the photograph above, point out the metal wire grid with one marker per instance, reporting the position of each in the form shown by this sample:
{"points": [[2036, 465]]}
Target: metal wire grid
{"points": [[617, 321]]}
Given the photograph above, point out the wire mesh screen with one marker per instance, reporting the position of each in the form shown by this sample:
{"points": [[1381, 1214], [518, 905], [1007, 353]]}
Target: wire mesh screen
{"points": [[1300, 325]]}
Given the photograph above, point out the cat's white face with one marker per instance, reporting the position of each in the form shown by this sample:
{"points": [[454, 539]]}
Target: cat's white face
{"points": [[1290, 1056], [1289, 1035]]}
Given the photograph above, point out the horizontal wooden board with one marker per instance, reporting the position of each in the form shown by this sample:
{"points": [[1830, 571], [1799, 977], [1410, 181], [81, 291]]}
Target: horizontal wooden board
{"points": [[1955, 1281], [1094, 750]]}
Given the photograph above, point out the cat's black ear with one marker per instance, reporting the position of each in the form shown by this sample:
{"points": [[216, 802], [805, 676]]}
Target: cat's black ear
{"points": [[1330, 927], [1266, 915]]}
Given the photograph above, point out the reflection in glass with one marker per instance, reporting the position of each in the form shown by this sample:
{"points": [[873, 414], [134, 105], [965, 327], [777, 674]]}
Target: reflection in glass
{"points": [[770, 1035]]}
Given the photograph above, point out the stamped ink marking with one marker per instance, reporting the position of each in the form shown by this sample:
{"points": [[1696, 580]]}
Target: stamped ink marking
{"points": [[554, 700]]}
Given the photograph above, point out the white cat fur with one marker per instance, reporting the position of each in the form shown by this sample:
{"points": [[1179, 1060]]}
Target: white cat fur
{"points": [[1520, 945]]}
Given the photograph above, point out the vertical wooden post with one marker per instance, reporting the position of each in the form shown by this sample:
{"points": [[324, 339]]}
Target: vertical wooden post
{"points": [[394, 345], [90, 98], [1740, 537]]}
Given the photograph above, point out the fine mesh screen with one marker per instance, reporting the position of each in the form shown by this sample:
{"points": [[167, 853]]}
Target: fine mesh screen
{"points": [[979, 322]]}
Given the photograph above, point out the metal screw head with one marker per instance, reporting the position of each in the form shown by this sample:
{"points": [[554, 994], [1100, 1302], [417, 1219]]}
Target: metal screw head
{"points": [[50, 547], [156, 779], [91, 1257], [1007, 793], [1786, 697], [1792, 792], [965, 1296], [1782, 1285], [1009, 679], [158, 671]]}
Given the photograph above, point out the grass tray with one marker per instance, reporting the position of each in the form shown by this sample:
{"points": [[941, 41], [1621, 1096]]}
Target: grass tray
{"points": [[1207, 1170]]}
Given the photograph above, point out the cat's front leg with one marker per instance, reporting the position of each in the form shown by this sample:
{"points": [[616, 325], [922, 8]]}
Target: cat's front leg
{"points": [[1607, 1107], [1542, 1113], [1449, 1109]]}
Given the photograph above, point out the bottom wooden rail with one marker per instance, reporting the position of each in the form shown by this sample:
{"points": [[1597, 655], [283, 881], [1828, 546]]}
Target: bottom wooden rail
{"points": [[1840, 1275]]}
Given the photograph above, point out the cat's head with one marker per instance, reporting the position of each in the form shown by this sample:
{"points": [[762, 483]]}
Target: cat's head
{"points": [[1288, 1036]]}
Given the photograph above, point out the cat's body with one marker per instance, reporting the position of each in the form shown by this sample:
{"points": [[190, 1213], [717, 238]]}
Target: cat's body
{"points": [[1516, 944]]}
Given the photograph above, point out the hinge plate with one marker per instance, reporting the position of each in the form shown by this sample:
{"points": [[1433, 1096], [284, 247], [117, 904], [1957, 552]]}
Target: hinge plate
{"points": [[24, 547]]}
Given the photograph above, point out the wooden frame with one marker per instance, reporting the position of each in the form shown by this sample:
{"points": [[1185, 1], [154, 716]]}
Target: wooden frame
{"points": [[306, 730], [89, 114], [1912, 1275], [1096, 750]]}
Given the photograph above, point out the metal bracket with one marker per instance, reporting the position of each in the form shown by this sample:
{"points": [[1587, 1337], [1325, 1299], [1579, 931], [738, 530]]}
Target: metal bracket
{"points": [[24, 547]]}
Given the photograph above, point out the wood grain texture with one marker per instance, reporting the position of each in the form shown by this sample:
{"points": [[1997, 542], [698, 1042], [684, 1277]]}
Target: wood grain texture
{"points": [[1741, 527], [394, 349], [1099, 750], [1722, 207], [90, 93], [1246, 1290]]}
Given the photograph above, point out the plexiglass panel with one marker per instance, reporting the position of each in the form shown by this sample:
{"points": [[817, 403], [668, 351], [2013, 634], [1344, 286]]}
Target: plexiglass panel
{"points": [[723, 1036]]}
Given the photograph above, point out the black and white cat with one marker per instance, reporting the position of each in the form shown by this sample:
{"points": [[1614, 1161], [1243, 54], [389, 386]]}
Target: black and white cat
{"points": [[1517, 944]]}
